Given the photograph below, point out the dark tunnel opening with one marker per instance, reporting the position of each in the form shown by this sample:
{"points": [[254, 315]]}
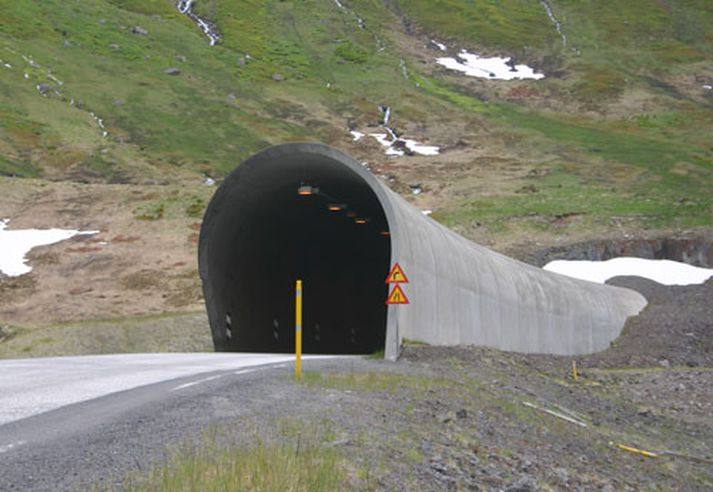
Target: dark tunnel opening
{"points": [[305, 217]]}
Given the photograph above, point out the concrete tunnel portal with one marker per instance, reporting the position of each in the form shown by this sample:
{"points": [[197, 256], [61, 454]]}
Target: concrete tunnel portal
{"points": [[307, 211], [296, 215]]}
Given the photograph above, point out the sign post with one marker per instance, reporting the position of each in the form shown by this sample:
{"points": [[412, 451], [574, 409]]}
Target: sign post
{"points": [[298, 330]]}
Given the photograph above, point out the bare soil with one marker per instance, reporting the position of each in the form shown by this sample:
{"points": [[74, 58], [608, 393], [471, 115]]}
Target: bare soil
{"points": [[133, 266]]}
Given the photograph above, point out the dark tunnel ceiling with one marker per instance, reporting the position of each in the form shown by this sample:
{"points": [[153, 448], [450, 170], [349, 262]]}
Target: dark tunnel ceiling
{"points": [[265, 236]]}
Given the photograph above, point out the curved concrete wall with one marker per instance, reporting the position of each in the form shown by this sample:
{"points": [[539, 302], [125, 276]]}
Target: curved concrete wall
{"points": [[464, 294]]}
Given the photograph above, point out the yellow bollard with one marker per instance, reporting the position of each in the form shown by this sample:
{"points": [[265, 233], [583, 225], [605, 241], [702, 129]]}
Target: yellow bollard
{"points": [[298, 329], [575, 374]]}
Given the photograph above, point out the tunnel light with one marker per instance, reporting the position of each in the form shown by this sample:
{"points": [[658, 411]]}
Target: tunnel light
{"points": [[361, 220], [336, 207], [385, 233], [307, 190]]}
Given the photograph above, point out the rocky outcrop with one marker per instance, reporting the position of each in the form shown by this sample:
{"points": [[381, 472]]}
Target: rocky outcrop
{"points": [[694, 250]]}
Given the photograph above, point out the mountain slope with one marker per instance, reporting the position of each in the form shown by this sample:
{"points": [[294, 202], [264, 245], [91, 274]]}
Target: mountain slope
{"points": [[132, 91]]}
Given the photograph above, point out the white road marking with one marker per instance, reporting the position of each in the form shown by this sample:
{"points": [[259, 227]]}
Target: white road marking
{"points": [[193, 383]]}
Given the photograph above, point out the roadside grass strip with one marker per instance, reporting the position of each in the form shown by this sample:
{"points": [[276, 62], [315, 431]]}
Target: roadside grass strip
{"points": [[207, 467]]}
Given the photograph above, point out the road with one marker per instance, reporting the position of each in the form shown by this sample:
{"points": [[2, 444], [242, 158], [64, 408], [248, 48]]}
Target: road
{"points": [[67, 422]]}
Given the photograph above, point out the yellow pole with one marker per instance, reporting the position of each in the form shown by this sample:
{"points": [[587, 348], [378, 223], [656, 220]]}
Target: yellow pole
{"points": [[298, 329], [630, 449], [575, 374]]}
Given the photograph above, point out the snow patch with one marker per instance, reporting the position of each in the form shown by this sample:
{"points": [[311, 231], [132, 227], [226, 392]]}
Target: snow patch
{"points": [[495, 68], [708, 87], [357, 135], [411, 145], [100, 123], [438, 45], [665, 272], [14, 245]]}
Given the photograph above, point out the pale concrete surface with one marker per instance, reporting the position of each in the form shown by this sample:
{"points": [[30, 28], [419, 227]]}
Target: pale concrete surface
{"points": [[32, 386]]}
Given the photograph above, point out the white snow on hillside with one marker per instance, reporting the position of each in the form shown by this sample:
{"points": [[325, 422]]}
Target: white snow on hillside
{"points": [[494, 68], [665, 272], [14, 245], [412, 145]]}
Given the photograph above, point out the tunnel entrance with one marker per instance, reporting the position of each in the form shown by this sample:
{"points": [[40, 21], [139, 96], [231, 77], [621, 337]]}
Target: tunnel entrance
{"points": [[279, 218]]}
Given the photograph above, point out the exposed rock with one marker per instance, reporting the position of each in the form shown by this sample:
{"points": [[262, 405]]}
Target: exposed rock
{"points": [[277, 77], [181, 58], [694, 250], [242, 61], [44, 89], [4, 330], [339, 442], [526, 483], [172, 71], [527, 189], [114, 46], [139, 30]]}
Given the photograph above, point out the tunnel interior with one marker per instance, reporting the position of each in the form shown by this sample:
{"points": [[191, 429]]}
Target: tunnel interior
{"points": [[298, 216]]}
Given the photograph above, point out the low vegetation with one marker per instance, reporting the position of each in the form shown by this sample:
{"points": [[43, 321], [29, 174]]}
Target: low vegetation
{"points": [[621, 120], [170, 332], [207, 467]]}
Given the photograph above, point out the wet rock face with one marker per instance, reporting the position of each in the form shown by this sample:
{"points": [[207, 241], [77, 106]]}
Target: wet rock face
{"points": [[696, 251]]}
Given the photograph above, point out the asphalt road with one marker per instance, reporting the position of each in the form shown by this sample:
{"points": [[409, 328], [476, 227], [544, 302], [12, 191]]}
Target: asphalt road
{"points": [[71, 422]]}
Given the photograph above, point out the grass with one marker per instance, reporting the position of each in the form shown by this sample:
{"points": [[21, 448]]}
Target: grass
{"points": [[170, 332], [370, 381], [225, 105], [290, 466], [597, 202]]}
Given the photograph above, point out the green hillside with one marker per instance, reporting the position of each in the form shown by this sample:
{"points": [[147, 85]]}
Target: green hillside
{"points": [[620, 127]]}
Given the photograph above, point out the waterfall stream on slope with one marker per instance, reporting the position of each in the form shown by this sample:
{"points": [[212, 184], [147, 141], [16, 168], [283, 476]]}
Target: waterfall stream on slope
{"points": [[209, 29], [555, 21]]}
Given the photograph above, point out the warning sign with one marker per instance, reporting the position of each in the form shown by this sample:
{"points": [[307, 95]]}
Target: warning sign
{"points": [[397, 275], [397, 296]]}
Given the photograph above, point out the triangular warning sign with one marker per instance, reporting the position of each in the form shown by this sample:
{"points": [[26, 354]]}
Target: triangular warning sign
{"points": [[397, 296], [397, 275]]}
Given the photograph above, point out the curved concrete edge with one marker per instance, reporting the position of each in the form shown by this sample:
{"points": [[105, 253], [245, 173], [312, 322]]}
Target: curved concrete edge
{"points": [[462, 293]]}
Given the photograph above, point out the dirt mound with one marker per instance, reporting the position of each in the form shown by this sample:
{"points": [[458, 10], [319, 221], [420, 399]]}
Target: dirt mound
{"points": [[676, 328]]}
